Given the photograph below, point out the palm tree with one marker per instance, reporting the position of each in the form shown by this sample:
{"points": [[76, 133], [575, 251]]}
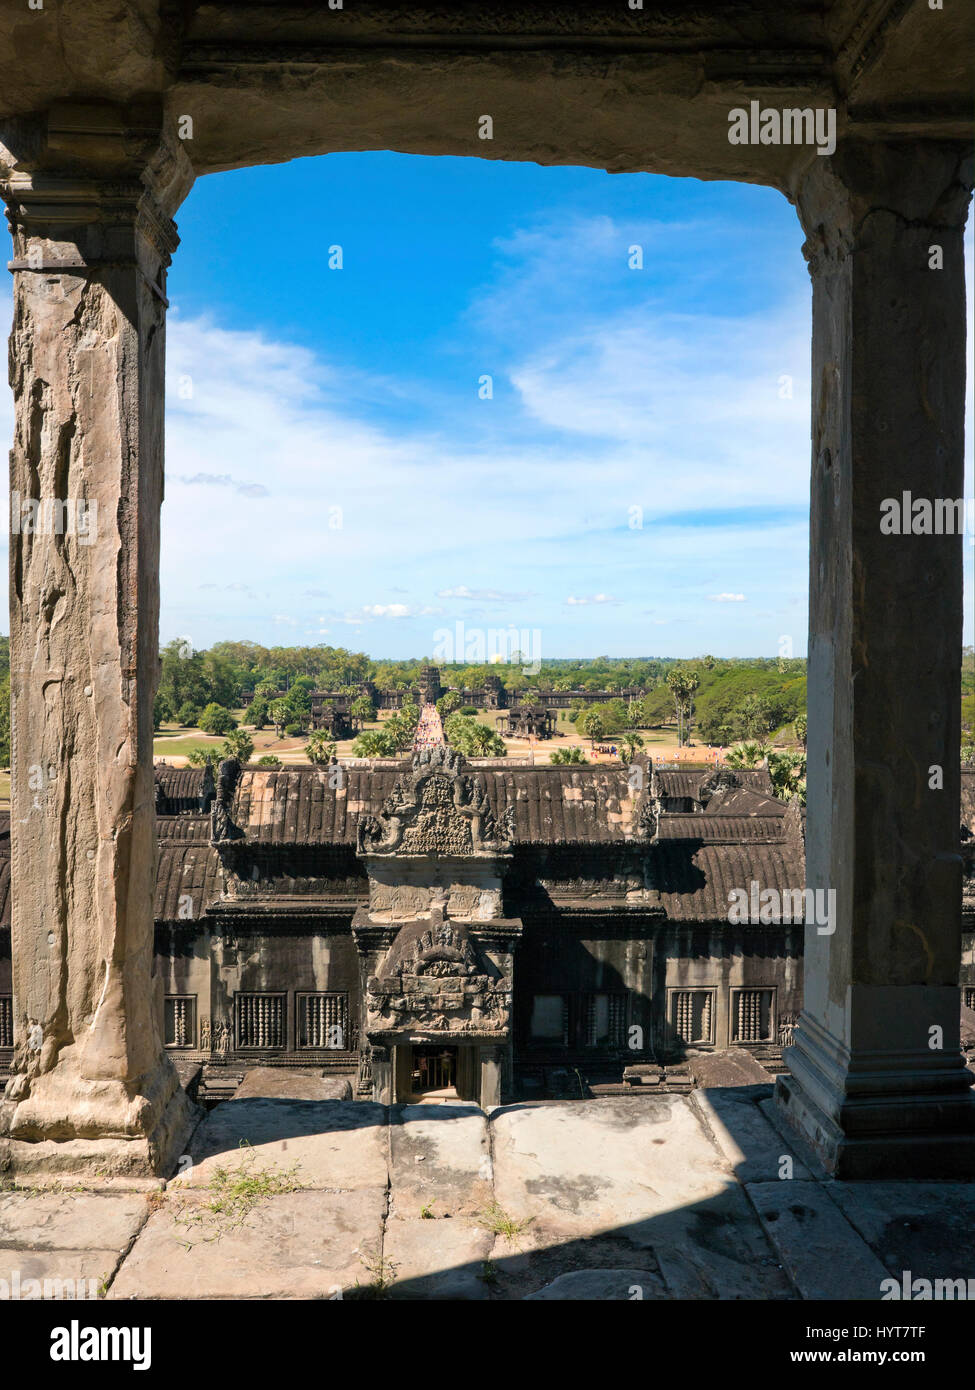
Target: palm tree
{"points": [[788, 774], [745, 755], [319, 748], [682, 686], [567, 755], [593, 727], [629, 743]]}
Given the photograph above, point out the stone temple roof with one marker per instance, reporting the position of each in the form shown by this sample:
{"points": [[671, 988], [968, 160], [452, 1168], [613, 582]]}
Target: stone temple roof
{"points": [[689, 871], [552, 805]]}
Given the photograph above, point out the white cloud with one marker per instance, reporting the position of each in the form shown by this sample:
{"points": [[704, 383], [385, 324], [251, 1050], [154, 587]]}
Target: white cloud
{"points": [[727, 598], [480, 595], [385, 610]]}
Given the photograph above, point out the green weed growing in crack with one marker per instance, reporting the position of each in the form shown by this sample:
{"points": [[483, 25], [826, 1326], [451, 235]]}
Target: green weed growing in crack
{"points": [[383, 1273], [499, 1223], [234, 1194]]}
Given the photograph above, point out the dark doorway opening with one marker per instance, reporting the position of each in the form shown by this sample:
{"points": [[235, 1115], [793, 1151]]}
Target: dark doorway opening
{"points": [[433, 1069]]}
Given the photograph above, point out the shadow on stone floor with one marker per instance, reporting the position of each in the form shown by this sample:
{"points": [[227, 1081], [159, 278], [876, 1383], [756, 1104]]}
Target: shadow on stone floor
{"points": [[696, 1197]]}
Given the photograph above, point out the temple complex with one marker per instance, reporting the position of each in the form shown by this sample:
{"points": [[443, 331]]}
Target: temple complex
{"points": [[484, 929], [331, 709]]}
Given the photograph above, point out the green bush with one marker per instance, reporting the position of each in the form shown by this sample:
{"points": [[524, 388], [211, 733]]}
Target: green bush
{"points": [[217, 720]]}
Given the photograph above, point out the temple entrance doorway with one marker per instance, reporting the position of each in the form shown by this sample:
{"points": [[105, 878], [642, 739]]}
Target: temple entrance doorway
{"points": [[434, 1071]]}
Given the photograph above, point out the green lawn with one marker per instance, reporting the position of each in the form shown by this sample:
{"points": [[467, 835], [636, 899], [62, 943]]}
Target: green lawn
{"points": [[173, 746]]}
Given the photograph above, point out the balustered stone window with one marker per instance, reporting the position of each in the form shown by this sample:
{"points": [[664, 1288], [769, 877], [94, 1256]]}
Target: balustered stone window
{"points": [[969, 997], [323, 1021], [262, 1020], [752, 1015], [692, 1015], [604, 1018], [179, 1020], [6, 1020]]}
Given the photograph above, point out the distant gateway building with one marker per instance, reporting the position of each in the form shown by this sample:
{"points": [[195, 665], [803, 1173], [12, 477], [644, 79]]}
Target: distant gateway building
{"points": [[331, 709], [493, 928]]}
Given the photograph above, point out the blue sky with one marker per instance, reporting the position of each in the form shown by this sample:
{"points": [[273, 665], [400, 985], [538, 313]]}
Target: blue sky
{"points": [[636, 485]]}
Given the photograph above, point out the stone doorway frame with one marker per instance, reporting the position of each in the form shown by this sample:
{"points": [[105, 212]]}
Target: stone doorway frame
{"points": [[91, 186]]}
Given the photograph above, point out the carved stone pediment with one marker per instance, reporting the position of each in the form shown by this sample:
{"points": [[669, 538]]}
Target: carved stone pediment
{"points": [[721, 779], [439, 808], [434, 980]]}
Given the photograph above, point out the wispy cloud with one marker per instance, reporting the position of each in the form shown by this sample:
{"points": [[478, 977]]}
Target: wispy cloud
{"points": [[225, 480]]}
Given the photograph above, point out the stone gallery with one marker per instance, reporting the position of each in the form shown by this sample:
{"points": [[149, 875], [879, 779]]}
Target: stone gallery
{"points": [[482, 930]]}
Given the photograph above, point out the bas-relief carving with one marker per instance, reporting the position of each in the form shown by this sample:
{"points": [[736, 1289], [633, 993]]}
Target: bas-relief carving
{"points": [[222, 826], [433, 979], [438, 809], [467, 901]]}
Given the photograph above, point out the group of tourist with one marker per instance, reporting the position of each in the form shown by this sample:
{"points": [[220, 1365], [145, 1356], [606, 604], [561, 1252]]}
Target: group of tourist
{"points": [[429, 729]]}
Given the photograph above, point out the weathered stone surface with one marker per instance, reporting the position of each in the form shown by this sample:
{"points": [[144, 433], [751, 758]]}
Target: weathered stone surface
{"points": [[62, 1274], [69, 1220], [727, 1068], [440, 1159], [121, 1164], [297, 1245], [643, 1172], [90, 214], [820, 1249], [335, 1144], [437, 1258], [285, 1083], [924, 1227], [596, 1166], [752, 1147], [867, 1088], [616, 1284]]}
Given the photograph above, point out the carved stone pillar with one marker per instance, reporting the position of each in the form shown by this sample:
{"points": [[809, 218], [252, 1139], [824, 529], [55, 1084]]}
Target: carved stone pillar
{"points": [[877, 1081], [490, 1078], [89, 194], [382, 1074]]}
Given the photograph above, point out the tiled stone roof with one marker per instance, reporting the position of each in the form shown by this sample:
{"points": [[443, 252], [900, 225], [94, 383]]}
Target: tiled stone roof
{"points": [[695, 880], [552, 805]]}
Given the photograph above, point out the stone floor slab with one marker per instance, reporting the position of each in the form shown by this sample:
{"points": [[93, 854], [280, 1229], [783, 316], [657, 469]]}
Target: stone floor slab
{"points": [[70, 1220], [309, 1244], [824, 1255], [54, 1274], [440, 1160], [333, 1144], [597, 1284], [283, 1083], [924, 1228], [596, 1166], [440, 1259], [752, 1147]]}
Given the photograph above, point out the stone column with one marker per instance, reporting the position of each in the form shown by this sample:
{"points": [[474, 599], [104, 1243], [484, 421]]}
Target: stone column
{"points": [[490, 1088], [382, 1074], [89, 194], [877, 1081]]}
